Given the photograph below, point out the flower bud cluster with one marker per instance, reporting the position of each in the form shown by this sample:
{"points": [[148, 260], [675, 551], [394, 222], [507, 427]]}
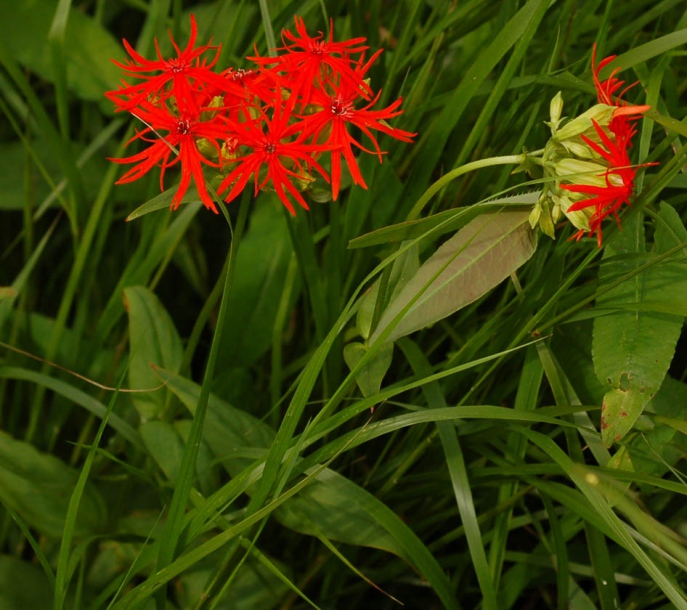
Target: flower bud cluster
{"points": [[586, 161]]}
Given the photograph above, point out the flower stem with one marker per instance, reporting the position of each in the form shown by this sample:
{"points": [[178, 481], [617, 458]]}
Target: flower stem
{"points": [[177, 509], [464, 169]]}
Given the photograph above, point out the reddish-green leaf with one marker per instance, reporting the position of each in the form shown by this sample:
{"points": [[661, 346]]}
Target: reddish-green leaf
{"points": [[475, 260]]}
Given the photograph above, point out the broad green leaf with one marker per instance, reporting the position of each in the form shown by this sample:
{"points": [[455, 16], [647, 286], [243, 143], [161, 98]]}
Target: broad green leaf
{"points": [[89, 47], [621, 460], [164, 445], [229, 431], [467, 266], [329, 507], [619, 411], [116, 556], [205, 460], [363, 319], [259, 281], [154, 342], [632, 349], [37, 486], [677, 424], [23, 586], [370, 379], [38, 330]]}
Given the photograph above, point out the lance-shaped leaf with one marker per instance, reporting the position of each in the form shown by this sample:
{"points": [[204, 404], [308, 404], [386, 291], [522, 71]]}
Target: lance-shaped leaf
{"points": [[475, 260], [633, 348], [163, 202]]}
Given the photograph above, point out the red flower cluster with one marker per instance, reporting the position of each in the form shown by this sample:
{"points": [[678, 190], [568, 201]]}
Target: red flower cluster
{"points": [[615, 142], [271, 124]]}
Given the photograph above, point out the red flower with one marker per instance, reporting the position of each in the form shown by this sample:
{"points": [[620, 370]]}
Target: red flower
{"points": [[605, 90], [256, 89], [179, 138], [186, 73], [619, 178], [246, 117], [337, 115], [276, 146], [311, 62]]}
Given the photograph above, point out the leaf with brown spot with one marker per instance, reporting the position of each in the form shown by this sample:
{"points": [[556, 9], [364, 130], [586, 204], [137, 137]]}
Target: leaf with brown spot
{"points": [[633, 347]]}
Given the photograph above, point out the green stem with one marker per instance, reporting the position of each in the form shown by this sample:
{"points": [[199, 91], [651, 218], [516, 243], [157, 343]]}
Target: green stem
{"points": [[464, 169], [203, 318], [267, 24], [177, 509]]}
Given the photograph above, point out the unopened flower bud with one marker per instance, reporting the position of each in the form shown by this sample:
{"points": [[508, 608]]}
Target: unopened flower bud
{"points": [[580, 218], [555, 111], [582, 124], [579, 149], [581, 172]]}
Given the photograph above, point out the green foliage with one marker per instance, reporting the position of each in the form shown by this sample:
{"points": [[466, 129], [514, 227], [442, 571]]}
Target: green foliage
{"points": [[22, 585], [159, 346], [633, 348], [37, 486], [370, 379], [89, 47], [260, 281], [402, 395]]}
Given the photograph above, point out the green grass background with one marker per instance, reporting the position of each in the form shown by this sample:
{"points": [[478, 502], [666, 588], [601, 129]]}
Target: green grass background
{"points": [[252, 472]]}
